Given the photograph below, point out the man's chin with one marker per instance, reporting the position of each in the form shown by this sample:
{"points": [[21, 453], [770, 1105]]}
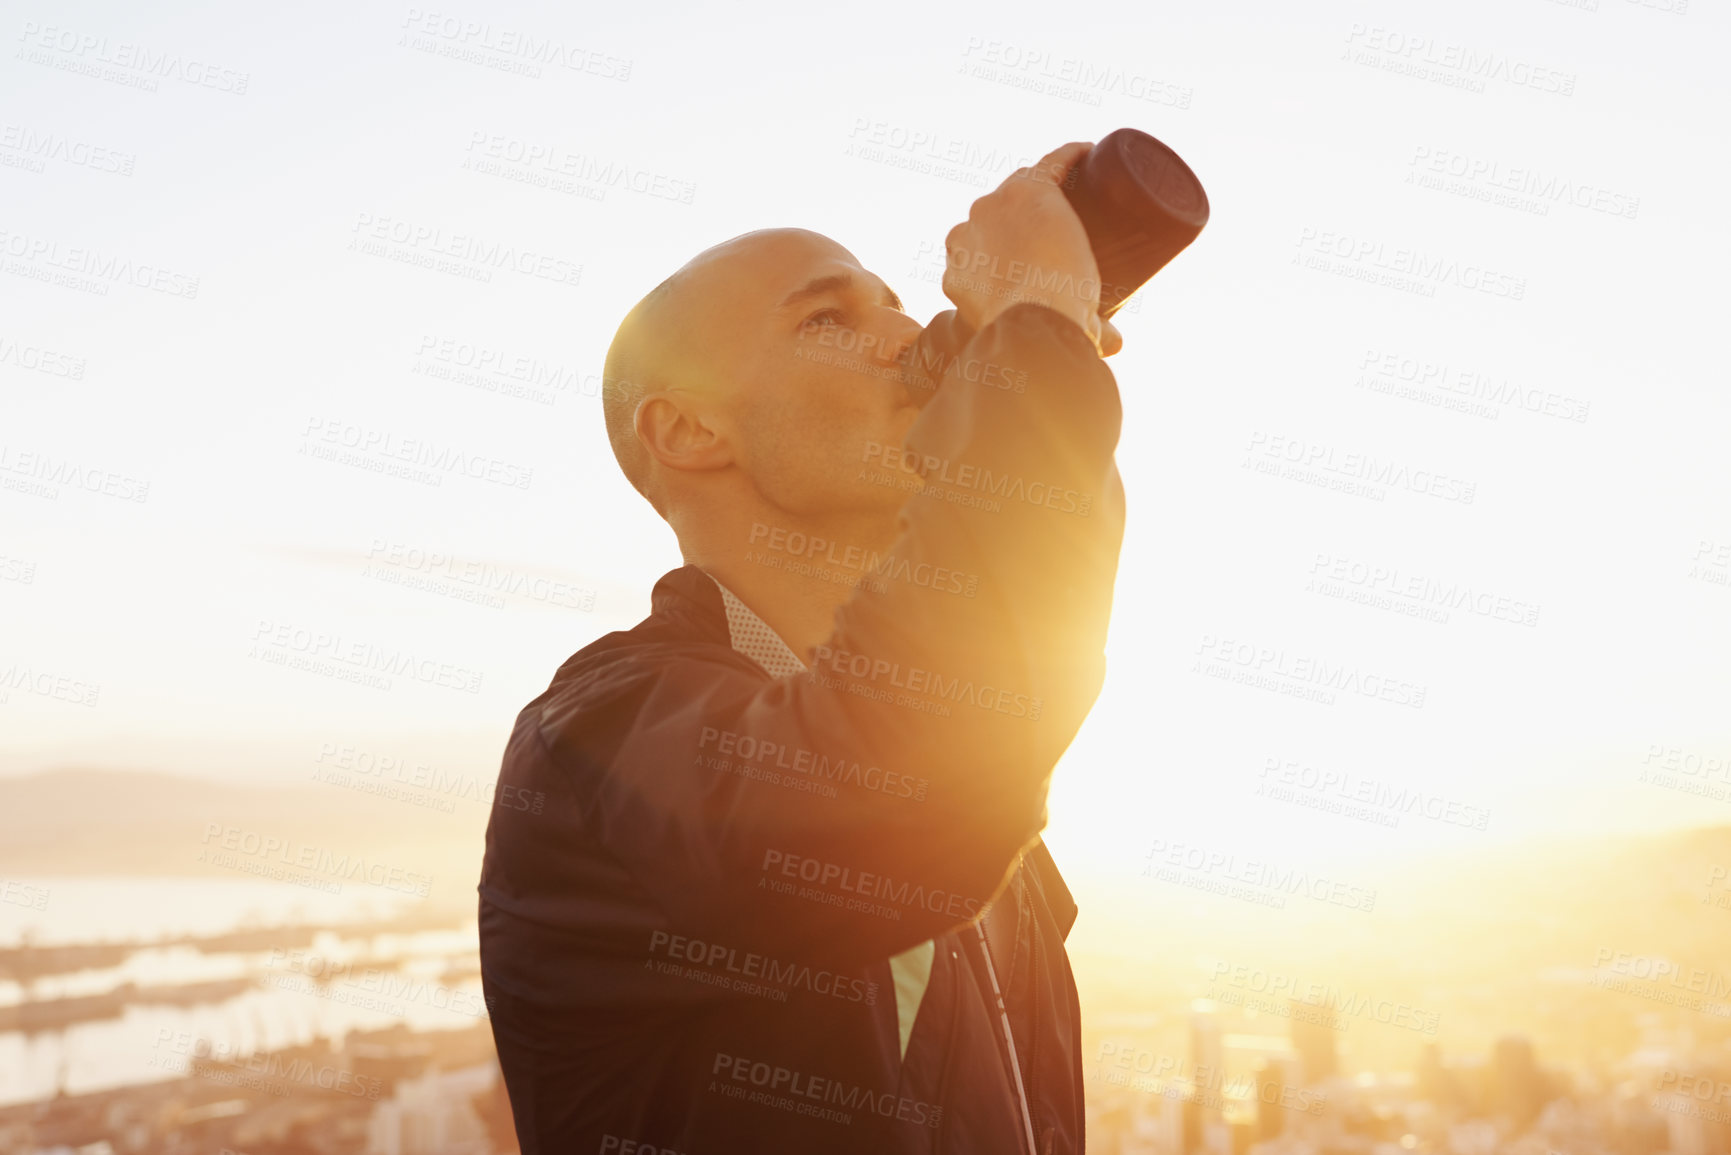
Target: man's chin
{"points": [[884, 485]]}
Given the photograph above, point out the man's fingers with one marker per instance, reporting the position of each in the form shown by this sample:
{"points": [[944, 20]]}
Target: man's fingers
{"points": [[1025, 225], [1055, 165], [1110, 339]]}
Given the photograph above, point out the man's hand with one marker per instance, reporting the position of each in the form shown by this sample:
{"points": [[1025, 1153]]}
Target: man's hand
{"points": [[1022, 242]]}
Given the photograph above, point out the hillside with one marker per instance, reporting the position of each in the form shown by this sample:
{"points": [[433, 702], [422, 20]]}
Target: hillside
{"points": [[107, 822]]}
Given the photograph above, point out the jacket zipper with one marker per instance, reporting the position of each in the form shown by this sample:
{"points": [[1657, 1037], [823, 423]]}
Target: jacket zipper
{"points": [[1009, 1037], [1035, 998], [938, 1143]]}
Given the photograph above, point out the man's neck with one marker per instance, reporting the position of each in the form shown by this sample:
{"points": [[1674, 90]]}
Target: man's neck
{"points": [[798, 606]]}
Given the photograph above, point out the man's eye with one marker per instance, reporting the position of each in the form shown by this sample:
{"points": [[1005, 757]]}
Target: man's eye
{"points": [[826, 317]]}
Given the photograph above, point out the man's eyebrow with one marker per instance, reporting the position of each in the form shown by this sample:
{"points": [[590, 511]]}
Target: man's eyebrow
{"points": [[835, 282]]}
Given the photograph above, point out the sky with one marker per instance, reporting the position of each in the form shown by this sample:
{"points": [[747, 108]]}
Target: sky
{"points": [[1475, 250]]}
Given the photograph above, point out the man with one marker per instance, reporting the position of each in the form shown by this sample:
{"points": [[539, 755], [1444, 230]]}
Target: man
{"points": [[766, 873]]}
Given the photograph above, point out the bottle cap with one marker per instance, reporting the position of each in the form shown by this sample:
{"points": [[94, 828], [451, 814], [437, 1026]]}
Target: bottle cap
{"points": [[1140, 205]]}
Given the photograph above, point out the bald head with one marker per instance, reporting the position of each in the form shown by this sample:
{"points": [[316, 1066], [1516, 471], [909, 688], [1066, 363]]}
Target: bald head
{"points": [[728, 380], [638, 361], [661, 342]]}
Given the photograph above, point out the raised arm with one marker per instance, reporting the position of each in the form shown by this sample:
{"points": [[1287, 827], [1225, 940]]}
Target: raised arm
{"points": [[914, 756], [967, 701]]}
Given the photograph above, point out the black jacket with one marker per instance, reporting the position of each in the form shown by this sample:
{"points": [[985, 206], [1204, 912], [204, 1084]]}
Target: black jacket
{"points": [[696, 874]]}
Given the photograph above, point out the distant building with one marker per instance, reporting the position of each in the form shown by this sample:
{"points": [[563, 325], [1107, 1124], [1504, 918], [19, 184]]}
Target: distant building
{"points": [[435, 1114], [1273, 1076], [1433, 1081], [1208, 1065], [1516, 1088], [1313, 1038]]}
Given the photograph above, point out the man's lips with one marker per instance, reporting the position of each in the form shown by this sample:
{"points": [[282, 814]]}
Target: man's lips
{"points": [[919, 387]]}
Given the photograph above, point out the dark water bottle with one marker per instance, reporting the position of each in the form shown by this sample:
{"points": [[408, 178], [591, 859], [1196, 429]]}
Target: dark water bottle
{"points": [[1140, 205]]}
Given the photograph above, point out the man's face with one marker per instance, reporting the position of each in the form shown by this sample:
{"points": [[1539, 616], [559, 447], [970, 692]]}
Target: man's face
{"points": [[807, 342]]}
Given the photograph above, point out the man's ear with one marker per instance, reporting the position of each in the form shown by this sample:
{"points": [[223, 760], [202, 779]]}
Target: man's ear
{"points": [[675, 431]]}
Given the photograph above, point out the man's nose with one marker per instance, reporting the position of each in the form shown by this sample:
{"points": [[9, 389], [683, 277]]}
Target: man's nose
{"points": [[895, 338]]}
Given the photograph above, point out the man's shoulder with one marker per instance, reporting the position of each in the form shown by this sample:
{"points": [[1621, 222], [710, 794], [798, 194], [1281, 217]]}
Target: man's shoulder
{"points": [[685, 632]]}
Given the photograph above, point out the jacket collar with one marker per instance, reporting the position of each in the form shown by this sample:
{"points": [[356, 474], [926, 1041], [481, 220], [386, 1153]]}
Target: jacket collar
{"points": [[697, 598], [689, 600], [756, 638]]}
